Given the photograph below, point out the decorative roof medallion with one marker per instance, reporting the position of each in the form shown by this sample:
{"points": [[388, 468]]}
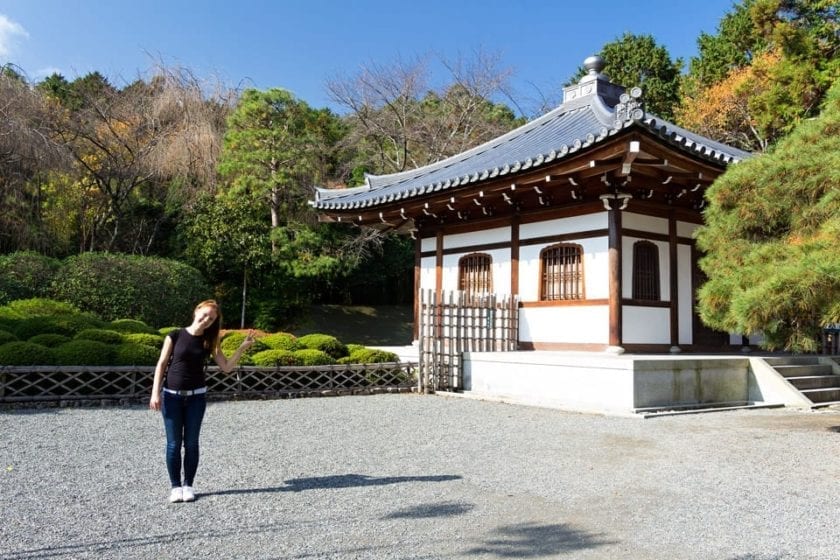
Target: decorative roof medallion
{"points": [[630, 107]]}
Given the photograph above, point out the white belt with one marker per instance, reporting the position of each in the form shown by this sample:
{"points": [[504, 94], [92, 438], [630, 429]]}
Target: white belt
{"points": [[199, 391]]}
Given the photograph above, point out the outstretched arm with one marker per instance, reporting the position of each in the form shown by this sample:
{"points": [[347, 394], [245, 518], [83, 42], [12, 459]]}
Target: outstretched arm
{"points": [[227, 364]]}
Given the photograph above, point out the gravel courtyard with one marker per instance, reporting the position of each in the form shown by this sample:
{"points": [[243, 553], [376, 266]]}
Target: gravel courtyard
{"points": [[408, 476]]}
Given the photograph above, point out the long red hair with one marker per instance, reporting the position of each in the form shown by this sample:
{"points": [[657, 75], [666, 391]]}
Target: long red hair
{"points": [[211, 333]]}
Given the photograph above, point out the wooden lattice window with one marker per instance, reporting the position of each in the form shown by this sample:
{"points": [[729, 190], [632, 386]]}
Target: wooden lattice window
{"points": [[474, 273], [562, 272], [645, 271]]}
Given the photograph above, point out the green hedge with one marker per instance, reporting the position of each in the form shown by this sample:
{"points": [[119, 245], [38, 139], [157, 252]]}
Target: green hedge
{"points": [[151, 289], [131, 326], [26, 275], [325, 343], [151, 340], [49, 340], [275, 357], [133, 354], [67, 325], [81, 352], [312, 357], [100, 335], [369, 356], [6, 336], [25, 354], [281, 341], [41, 307], [233, 340]]}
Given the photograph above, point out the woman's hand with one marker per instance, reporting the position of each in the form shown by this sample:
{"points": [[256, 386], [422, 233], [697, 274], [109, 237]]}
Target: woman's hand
{"points": [[249, 340], [154, 402]]}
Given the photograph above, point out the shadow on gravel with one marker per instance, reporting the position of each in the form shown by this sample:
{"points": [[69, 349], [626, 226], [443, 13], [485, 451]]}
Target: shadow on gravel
{"points": [[530, 540], [443, 509], [335, 481], [835, 429]]}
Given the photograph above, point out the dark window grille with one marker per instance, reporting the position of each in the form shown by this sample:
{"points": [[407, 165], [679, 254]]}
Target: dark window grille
{"points": [[562, 272], [645, 271], [474, 274]]}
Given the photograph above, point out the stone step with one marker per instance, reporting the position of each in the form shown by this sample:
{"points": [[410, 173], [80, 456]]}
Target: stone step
{"points": [[803, 370], [822, 395], [792, 360], [815, 382]]}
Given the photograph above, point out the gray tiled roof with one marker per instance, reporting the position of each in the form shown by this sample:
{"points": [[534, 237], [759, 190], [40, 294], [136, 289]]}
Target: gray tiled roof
{"points": [[571, 127]]}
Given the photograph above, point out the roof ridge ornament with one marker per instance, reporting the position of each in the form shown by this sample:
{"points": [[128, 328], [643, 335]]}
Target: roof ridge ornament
{"points": [[630, 107]]}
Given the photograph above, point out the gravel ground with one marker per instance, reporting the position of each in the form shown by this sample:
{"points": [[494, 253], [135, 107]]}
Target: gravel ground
{"points": [[409, 476]]}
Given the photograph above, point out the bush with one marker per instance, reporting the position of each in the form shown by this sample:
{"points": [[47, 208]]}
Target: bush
{"points": [[41, 307], [231, 342], [82, 352], [26, 275], [6, 336], [25, 354], [49, 340], [325, 343], [166, 330], [68, 325], [150, 340], [354, 347], [130, 326], [312, 357], [281, 341], [275, 357], [151, 289], [100, 335], [369, 356], [133, 354]]}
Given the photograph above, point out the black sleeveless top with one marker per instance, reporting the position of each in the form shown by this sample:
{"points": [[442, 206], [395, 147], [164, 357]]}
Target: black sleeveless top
{"points": [[186, 368]]}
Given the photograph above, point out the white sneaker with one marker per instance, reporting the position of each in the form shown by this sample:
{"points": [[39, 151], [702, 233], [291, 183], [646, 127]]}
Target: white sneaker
{"points": [[176, 495], [187, 494]]}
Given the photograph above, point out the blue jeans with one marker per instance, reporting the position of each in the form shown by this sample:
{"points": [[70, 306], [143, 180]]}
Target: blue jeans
{"points": [[182, 418]]}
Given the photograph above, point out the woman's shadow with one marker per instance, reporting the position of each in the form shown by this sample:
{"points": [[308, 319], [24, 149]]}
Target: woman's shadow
{"points": [[334, 481]]}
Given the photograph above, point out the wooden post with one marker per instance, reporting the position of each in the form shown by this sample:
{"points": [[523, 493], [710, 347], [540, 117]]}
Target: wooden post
{"points": [[674, 284], [615, 291]]}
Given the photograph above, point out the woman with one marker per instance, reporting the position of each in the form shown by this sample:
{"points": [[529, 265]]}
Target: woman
{"points": [[181, 394]]}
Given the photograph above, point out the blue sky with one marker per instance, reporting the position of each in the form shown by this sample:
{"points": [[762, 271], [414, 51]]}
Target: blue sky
{"points": [[299, 45]]}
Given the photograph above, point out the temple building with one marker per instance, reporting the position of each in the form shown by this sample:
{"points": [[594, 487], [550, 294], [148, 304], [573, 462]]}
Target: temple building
{"points": [[586, 213]]}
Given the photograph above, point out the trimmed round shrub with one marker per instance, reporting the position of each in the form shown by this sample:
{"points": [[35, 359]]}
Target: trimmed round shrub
{"points": [[150, 340], [100, 335], [6, 336], [231, 342], [131, 326], [369, 356], [275, 357], [21, 353], [68, 325], [354, 347], [312, 357], [154, 290], [133, 354], [166, 330], [49, 340], [325, 343], [42, 307], [281, 341], [26, 274], [82, 352]]}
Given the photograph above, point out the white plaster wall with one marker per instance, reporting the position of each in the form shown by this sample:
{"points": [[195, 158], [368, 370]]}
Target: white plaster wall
{"points": [[428, 244], [427, 273], [563, 225], [629, 220], [595, 269], [569, 324], [645, 325], [685, 229], [627, 267], [500, 268], [684, 295], [495, 235]]}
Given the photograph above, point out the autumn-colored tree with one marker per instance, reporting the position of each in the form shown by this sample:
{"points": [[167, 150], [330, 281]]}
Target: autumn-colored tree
{"points": [[770, 238]]}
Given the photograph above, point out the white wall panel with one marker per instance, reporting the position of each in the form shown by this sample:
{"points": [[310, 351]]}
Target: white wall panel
{"points": [[595, 268], [563, 225], [570, 324], [427, 273], [642, 222], [685, 229], [428, 244], [495, 235], [685, 297], [500, 270], [646, 325]]}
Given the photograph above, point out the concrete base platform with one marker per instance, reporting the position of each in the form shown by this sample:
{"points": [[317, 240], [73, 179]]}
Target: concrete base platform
{"points": [[626, 384]]}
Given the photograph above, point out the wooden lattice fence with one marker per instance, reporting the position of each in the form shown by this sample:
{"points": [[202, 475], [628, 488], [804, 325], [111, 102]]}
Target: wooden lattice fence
{"points": [[22, 384], [456, 322]]}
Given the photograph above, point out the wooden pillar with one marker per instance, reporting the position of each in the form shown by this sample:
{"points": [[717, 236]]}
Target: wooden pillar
{"points": [[439, 264], [615, 291], [673, 273], [514, 255], [418, 244]]}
